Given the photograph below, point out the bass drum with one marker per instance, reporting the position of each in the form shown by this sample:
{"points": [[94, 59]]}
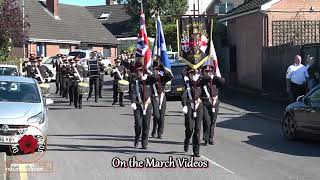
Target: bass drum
{"points": [[83, 88], [123, 86], [45, 89]]}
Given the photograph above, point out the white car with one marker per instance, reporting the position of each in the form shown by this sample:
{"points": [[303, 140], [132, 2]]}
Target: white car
{"points": [[23, 110], [9, 70], [85, 56]]}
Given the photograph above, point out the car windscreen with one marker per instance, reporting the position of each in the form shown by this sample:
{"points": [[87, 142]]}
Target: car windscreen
{"points": [[8, 71], [19, 92], [78, 54], [177, 71]]}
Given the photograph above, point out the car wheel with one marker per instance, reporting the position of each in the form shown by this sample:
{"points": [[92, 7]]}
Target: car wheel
{"points": [[289, 127]]}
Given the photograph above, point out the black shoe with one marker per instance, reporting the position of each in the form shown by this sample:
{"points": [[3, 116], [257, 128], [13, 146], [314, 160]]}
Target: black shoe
{"points": [[70, 103], [159, 136], [153, 135], [186, 147], [212, 143], [100, 96], [196, 155], [114, 102], [96, 101], [135, 144], [57, 91], [205, 143], [80, 106], [122, 105], [144, 147], [76, 106]]}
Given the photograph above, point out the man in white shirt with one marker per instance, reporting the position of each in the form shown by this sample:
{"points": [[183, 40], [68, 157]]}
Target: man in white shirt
{"points": [[296, 78]]}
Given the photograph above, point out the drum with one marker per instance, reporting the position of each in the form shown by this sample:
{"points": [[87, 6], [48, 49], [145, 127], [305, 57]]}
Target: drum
{"points": [[45, 89], [123, 86], [83, 88], [167, 87]]}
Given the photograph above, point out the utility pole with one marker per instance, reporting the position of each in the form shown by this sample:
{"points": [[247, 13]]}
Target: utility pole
{"points": [[23, 24]]}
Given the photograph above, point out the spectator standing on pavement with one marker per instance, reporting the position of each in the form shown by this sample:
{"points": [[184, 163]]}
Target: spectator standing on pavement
{"points": [[313, 70], [296, 79]]}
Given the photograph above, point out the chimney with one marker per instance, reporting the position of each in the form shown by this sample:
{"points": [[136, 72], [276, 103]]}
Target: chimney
{"points": [[52, 6], [110, 2]]}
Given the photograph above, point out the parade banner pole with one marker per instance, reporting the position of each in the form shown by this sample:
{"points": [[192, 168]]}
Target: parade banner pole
{"points": [[211, 83]]}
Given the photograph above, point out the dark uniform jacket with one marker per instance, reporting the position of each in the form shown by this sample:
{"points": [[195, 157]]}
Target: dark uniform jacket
{"points": [[162, 80], [57, 65], [136, 91], [195, 90], [101, 70], [64, 70], [31, 71], [212, 86], [72, 73], [116, 76]]}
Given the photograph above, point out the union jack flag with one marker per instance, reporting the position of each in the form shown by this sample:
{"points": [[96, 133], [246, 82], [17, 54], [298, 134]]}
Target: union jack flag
{"points": [[143, 49]]}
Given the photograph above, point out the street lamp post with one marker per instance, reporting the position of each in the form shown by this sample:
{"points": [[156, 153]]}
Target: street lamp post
{"points": [[23, 23]]}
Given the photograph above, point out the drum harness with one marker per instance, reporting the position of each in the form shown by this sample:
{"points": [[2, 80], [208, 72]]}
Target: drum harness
{"points": [[77, 73], [41, 78], [213, 100], [194, 103]]}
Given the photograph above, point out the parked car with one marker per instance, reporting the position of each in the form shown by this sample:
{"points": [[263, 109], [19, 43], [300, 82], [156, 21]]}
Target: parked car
{"points": [[177, 83], [303, 116], [85, 56], [22, 109], [9, 70], [49, 63]]}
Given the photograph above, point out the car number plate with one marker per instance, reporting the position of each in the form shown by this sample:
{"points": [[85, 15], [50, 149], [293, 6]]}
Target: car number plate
{"points": [[180, 89], [6, 139]]}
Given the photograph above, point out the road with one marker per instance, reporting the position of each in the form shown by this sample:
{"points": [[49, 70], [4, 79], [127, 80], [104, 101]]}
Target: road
{"points": [[82, 144]]}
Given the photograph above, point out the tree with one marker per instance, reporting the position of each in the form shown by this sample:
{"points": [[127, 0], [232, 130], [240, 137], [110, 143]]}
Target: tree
{"points": [[165, 8], [11, 29]]}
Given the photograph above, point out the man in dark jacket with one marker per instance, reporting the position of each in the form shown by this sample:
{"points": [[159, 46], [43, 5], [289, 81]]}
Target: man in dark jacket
{"points": [[118, 73]]}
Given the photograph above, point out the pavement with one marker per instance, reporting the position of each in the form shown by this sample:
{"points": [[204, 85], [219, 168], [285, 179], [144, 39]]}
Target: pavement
{"points": [[82, 144]]}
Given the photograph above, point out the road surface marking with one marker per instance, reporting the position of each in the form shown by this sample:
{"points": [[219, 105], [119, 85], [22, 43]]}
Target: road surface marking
{"points": [[217, 164], [23, 172]]}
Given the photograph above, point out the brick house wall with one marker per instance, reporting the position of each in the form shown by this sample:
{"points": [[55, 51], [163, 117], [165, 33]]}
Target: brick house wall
{"points": [[52, 49], [293, 6], [246, 33]]}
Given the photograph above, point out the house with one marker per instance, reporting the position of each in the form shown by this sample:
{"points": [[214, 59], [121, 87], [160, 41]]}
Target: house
{"points": [[220, 7], [60, 28], [264, 23], [116, 19]]}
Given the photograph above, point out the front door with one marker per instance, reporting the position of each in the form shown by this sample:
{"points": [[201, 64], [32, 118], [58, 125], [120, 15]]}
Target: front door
{"points": [[40, 49]]}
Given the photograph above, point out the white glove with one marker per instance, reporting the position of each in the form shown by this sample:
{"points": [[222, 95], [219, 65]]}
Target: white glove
{"points": [[185, 109], [37, 75], [161, 73], [114, 70], [186, 79], [134, 106], [144, 77], [75, 75], [29, 63], [212, 76], [49, 79]]}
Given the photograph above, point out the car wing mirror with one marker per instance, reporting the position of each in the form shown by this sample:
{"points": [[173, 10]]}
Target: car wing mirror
{"points": [[300, 98]]}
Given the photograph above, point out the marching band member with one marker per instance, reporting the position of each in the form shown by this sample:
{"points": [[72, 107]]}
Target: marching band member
{"points": [[118, 73], [64, 75], [94, 80], [193, 110], [42, 71], [30, 67], [159, 99], [209, 97], [57, 64], [140, 102], [77, 74], [101, 75]]}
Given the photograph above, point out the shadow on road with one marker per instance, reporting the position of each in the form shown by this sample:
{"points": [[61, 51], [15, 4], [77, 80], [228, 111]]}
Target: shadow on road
{"points": [[268, 136]]}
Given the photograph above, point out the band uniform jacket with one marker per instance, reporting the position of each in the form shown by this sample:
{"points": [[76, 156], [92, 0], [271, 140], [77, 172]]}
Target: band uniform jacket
{"points": [[57, 65], [213, 88], [195, 90], [31, 71], [135, 91], [101, 70], [116, 76], [44, 71], [72, 73], [64, 70], [162, 80]]}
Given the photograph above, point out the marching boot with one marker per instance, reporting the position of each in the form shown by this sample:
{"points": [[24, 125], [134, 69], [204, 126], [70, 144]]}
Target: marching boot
{"points": [[186, 146], [135, 144]]}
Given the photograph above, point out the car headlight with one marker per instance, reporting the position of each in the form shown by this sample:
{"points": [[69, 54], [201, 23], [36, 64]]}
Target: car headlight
{"points": [[39, 118]]}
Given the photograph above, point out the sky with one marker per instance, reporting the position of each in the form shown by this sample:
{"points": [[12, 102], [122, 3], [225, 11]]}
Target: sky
{"points": [[83, 2]]}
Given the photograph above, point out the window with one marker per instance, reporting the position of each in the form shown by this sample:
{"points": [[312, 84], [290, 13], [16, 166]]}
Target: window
{"points": [[107, 52], [19, 92], [41, 49], [221, 8], [8, 71]]}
